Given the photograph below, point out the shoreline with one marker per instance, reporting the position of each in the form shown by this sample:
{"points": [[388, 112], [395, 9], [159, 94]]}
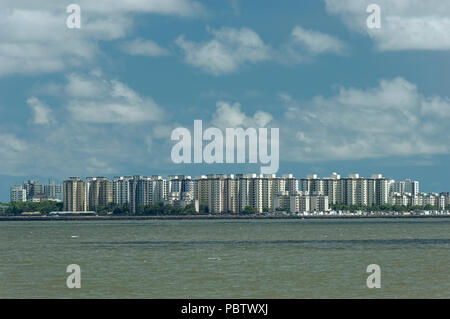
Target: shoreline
{"points": [[205, 217]]}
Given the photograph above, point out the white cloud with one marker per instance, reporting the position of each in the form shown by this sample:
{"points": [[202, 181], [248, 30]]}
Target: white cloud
{"points": [[81, 139], [35, 38], [405, 24], [144, 47], [228, 50], [96, 100], [79, 86], [315, 42], [230, 115], [436, 106], [231, 48], [9, 142], [182, 8], [37, 41], [386, 120], [42, 114]]}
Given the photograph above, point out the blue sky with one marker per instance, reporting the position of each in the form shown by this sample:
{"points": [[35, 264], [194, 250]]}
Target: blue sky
{"points": [[104, 99]]}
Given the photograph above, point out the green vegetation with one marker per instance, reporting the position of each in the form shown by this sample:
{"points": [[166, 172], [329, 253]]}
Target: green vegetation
{"points": [[158, 209], [45, 207], [161, 209], [112, 208], [249, 210], [385, 207]]}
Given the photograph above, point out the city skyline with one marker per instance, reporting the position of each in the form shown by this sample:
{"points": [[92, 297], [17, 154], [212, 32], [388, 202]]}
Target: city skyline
{"points": [[231, 193], [23, 180], [103, 99]]}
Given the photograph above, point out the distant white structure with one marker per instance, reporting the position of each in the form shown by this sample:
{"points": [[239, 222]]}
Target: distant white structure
{"points": [[36, 192], [18, 194], [406, 186]]}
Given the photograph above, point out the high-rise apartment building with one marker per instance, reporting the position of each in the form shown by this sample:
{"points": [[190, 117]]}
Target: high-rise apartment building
{"points": [[406, 186], [99, 192], [18, 194], [53, 191], [34, 188], [351, 190], [74, 194], [121, 190]]}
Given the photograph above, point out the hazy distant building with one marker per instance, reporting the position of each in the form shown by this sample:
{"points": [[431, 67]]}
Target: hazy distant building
{"points": [[406, 186], [53, 191], [18, 194], [33, 188], [37, 192]]}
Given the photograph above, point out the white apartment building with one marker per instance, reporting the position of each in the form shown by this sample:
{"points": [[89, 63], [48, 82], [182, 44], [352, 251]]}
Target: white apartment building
{"points": [[301, 203], [352, 190], [121, 189], [18, 194], [421, 199]]}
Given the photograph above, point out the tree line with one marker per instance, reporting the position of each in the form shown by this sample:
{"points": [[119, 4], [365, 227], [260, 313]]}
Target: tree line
{"points": [[157, 209], [45, 207]]}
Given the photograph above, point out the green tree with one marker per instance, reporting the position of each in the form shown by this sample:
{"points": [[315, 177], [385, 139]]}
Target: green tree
{"points": [[249, 210]]}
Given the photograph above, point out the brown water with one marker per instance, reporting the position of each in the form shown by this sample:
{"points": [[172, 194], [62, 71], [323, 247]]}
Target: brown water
{"points": [[226, 259]]}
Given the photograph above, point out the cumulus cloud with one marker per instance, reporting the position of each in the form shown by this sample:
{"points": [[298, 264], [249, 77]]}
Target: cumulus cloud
{"points": [[228, 50], [232, 48], [83, 138], [387, 120], [405, 24], [144, 47], [315, 42], [96, 100], [182, 8], [230, 115], [42, 114], [436, 106], [35, 39]]}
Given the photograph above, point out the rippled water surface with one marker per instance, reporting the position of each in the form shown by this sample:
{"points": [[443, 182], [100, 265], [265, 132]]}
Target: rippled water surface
{"points": [[226, 259]]}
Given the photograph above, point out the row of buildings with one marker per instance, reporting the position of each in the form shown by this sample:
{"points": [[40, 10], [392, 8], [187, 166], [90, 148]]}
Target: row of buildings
{"points": [[34, 191], [233, 193], [219, 193], [376, 190]]}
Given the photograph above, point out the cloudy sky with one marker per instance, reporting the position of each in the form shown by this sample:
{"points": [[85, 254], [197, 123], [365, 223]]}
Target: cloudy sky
{"points": [[104, 99]]}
